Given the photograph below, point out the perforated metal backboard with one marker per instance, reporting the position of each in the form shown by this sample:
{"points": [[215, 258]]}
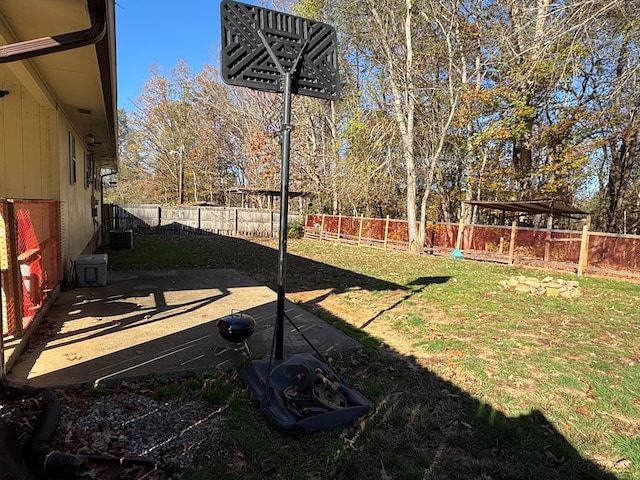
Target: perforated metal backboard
{"points": [[306, 48]]}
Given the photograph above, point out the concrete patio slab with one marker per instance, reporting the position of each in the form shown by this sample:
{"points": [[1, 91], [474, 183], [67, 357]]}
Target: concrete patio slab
{"points": [[161, 322]]}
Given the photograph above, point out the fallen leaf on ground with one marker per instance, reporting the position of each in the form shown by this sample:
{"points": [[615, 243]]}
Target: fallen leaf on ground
{"points": [[583, 410], [551, 455], [455, 353], [238, 462]]}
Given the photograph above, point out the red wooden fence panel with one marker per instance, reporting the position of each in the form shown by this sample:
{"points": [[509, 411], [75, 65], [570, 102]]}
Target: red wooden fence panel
{"points": [[606, 252]]}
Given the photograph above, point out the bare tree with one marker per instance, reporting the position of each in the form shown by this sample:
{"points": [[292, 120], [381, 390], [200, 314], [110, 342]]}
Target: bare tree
{"points": [[163, 118]]}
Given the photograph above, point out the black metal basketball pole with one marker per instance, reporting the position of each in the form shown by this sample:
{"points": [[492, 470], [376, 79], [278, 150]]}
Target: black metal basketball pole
{"points": [[246, 33], [284, 211], [284, 191], [307, 50]]}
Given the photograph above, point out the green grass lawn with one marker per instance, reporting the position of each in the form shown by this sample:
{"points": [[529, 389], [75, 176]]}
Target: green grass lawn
{"points": [[468, 380]]}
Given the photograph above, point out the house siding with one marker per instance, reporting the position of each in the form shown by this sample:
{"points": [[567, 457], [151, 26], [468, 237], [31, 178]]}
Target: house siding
{"points": [[27, 152], [78, 227], [34, 164]]}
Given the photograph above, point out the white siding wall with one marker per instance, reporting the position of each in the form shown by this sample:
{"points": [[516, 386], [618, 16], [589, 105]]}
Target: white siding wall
{"points": [[78, 226], [34, 163], [28, 151]]}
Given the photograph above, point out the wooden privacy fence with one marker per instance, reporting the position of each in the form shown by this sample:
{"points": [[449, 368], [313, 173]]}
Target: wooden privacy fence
{"points": [[582, 251], [194, 220]]}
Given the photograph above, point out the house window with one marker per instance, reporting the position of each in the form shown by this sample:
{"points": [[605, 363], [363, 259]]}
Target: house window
{"points": [[72, 159]]}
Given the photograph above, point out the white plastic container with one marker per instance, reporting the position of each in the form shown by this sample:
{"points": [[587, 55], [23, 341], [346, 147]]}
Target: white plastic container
{"points": [[91, 270]]}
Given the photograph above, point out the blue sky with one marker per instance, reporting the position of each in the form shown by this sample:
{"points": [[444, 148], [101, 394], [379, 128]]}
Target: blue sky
{"points": [[160, 32]]}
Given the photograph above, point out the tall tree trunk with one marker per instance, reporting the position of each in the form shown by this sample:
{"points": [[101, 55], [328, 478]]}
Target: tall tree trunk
{"points": [[529, 53], [334, 160], [622, 160], [404, 99]]}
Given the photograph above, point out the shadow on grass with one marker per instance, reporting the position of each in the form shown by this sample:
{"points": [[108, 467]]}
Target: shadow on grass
{"points": [[422, 283], [255, 259], [422, 425], [425, 426]]}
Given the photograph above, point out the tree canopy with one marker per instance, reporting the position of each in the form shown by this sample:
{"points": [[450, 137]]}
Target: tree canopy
{"points": [[442, 102]]}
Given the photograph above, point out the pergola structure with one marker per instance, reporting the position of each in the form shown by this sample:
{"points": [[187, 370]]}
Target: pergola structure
{"points": [[549, 207], [534, 207]]}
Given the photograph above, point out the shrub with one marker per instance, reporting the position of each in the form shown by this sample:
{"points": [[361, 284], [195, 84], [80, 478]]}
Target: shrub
{"points": [[295, 230]]}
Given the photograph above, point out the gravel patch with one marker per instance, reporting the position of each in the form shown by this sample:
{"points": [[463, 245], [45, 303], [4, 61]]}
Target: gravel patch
{"points": [[134, 425], [126, 422]]}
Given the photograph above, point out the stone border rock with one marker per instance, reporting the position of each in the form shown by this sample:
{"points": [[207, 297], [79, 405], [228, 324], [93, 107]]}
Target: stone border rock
{"points": [[547, 286]]}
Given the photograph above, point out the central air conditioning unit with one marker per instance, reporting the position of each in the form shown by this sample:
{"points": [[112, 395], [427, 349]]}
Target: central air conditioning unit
{"points": [[120, 239]]}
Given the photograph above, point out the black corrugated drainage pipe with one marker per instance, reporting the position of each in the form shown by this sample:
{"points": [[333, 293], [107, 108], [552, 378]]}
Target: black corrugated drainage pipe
{"points": [[45, 462], [38, 454]]}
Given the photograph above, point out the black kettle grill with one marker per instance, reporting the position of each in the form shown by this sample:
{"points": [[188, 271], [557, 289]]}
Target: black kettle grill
{"points": [[236, 329]]}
